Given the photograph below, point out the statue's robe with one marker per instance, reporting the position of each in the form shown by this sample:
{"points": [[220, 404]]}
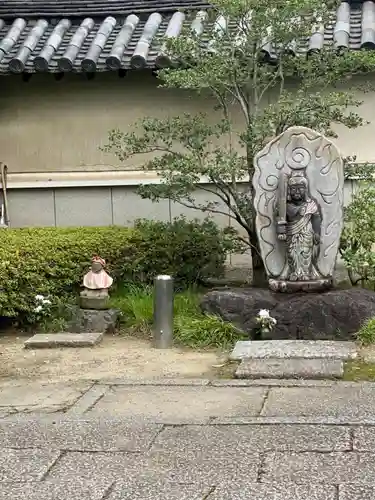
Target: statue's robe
{"points": [[97, 281], [300, 246]]}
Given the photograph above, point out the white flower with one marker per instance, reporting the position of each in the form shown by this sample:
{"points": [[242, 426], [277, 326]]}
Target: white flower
{"points": [[39, 297], [273, 321], [38, 309], [264, 313], [46, 301]]}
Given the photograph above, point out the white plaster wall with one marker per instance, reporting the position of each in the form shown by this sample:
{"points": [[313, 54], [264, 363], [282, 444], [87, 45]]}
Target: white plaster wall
{"points": [[52, 126]]}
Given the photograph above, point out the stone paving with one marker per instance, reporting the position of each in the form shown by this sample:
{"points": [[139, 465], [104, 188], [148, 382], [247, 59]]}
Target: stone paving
{"points": [[188, 440]]}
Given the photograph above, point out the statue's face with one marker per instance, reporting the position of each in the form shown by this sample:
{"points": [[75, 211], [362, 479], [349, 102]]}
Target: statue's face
{"points": [[298, 192], [96, 267]]}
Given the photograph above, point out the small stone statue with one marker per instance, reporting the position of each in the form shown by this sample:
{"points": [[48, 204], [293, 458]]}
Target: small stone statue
{"points": [[96, 284], [299, 183]]}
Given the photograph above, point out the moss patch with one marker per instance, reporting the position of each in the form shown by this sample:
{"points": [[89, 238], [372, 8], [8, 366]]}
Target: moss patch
{"points": [[359, 370]]}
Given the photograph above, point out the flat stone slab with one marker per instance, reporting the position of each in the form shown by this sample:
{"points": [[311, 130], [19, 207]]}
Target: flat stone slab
{"points": [[305, 349], [26, 465], [39, 397], [144, 490], [258, 491], [364, 439], [290, 368], [348, 402], [356, 492], [211, 440], [327, 468], [62, 490], [177, 405], [231, 464], [46, 340], [95, 434]]}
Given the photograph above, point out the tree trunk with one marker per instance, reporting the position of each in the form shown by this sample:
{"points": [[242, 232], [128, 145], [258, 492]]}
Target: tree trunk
{"points": [[259, 272]]}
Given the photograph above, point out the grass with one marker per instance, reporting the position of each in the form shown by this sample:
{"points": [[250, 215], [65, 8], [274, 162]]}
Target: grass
{"points": [[191, 327], [366, 335]]}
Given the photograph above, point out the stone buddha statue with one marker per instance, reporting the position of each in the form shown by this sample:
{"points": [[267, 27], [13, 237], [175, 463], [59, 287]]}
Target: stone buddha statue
{"points": [[299, 227], [299, 185]]}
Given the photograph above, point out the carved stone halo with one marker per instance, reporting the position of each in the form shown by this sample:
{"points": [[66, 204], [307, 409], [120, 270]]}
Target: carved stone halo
{"points": [[298, 159], [305, 151]]}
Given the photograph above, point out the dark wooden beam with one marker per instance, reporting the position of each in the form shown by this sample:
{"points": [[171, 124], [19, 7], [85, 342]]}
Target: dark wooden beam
{"points": [[26, 77]]}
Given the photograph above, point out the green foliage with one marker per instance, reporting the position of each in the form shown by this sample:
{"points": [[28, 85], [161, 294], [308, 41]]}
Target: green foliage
{"points": [[358, 237], [188, 250], [237, 69], [136, 306], [191, 327], [363, 172], [366, 335], [51, 262], [206, 331], [52, 314]]}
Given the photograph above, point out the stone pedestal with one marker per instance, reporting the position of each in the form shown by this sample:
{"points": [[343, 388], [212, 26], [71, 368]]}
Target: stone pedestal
{"points": [[94, 299], [311, 286], [95, 320], [95, 303]]}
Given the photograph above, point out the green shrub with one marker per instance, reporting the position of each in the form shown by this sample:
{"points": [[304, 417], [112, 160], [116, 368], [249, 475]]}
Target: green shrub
{"points": [[358, 238], [52, 261], [191, 251], [366, 335]]}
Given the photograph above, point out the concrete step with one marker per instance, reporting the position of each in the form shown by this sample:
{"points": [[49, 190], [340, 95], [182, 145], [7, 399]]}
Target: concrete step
{"points": [[293, 368], [65, 339], [287, 349]]}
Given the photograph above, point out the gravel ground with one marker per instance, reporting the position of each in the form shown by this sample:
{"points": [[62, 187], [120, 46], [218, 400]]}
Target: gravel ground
{"points": [[115, 357]]}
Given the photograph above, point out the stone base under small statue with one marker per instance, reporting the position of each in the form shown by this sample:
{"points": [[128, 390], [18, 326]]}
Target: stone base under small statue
{"points": [[93, 320], [94, 299], [95, 303], [332, 315], [311, 286]]}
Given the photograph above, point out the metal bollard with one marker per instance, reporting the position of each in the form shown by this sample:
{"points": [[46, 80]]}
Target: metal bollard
{"points": [[163, 312]]}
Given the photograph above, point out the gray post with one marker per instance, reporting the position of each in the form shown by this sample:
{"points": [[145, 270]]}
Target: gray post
{"points": [[163, 312]]}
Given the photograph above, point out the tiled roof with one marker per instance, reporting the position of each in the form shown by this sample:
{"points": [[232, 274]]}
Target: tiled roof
{"points": [[112, 43], [81, 8]]}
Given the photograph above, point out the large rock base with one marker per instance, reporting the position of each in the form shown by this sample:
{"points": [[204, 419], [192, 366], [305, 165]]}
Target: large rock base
{"points": [[332, 315], [91, 320]]}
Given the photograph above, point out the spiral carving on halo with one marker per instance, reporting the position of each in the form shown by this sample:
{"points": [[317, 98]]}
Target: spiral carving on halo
{"points": [[298, 159]]}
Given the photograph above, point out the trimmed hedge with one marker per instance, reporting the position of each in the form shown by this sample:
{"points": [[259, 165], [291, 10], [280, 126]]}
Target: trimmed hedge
{"points": [[188, 250], [52, 261]]}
